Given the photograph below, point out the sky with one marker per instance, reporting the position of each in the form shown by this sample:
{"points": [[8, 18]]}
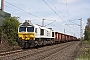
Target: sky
{"points": [[66, 13]]}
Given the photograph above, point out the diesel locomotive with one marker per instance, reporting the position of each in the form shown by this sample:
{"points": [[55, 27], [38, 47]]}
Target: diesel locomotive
{"points": [[30, 35]]}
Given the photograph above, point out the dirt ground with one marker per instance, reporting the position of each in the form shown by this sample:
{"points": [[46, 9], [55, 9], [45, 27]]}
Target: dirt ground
{"points": [[5, 46]]}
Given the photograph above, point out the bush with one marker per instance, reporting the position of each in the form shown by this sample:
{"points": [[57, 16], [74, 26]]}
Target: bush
{"points": [[13, 42], [10, 29]]}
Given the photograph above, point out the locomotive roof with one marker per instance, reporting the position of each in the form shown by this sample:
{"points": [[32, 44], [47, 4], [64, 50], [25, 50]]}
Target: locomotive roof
{"points": [[26, 24], [37, 26]]}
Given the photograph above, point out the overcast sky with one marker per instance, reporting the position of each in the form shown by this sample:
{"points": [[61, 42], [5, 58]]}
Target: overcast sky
{"points": [[63, 11]]}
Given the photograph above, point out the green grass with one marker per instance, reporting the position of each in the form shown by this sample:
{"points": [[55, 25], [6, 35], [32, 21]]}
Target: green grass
{"points": [[82, 59], [86, 42], [85, 54]]}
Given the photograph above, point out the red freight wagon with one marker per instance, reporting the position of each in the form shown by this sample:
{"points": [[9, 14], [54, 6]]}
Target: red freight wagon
{"points": [[60, 36], [75, 39], [63, 37], [71, 38], [57, 37], [67, 38]]}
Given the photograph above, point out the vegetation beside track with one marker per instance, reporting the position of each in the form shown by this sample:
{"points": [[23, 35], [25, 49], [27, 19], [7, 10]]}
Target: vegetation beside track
{"points": [[85, 48], [84, 51], [10, 29], [9, 34]]}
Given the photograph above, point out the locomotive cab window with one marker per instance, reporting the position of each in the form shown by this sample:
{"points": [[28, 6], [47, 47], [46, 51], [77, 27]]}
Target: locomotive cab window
{"points": [[42, 32], [22, 29], [35, 30], [30, 29], [52, 34]]}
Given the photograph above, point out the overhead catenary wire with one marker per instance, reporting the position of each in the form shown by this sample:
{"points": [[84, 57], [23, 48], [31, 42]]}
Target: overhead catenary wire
{"points": [[68, 13], [53, 11], [12, 8], [28, 7], [54, 6], [23, 10], [20, 9], [59, 11], [50, 23], [21, 3], [31, 13], [67, 9]]}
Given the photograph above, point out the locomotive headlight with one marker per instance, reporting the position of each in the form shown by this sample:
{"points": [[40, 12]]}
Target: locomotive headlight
{"points": [[20, 37]]}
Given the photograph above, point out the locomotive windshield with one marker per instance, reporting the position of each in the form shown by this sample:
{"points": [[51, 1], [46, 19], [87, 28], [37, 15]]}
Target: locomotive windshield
{"points": [[22, 29], [30, 29]]}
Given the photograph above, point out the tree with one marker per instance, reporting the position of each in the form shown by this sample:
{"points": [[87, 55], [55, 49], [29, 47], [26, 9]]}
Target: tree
{"points": [[10, 28], [88, 21], [0, 33], [87, 30]]}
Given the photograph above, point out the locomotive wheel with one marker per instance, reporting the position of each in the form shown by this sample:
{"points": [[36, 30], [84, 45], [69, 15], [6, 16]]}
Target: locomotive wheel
{"points": [[26, 45], [44, 42], [33, 45]]}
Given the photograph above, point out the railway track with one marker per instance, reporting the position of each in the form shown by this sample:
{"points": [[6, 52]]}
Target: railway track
{"points": [[37, 54], [67, 53], [45, 54], [9, 52]]}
